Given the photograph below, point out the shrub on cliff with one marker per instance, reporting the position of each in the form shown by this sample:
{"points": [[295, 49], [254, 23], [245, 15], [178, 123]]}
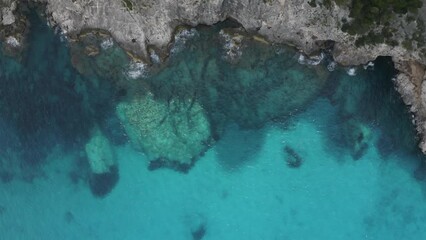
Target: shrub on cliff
{"points": [[367, 13]]}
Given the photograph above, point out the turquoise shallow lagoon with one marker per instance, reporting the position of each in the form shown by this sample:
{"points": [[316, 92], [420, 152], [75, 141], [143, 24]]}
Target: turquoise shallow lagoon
{"points": [[341, 163]]}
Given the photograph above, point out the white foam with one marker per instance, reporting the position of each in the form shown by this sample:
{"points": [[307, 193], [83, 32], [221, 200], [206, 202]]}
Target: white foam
{"points": [[369, 66], [301, 59], [331, 66], [107, 43], [136, 70], [315, 60], [351, 71], [154, 57], [181, 38], [232, 45], [12, 41], [312, 60]]}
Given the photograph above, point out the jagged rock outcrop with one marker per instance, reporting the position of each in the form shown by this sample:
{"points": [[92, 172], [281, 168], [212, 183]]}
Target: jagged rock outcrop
{"points": [[138, 24], [411, 84], [13, 27]]}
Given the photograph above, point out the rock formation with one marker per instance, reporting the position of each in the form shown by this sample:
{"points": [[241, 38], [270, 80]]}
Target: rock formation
{"points": [[177, 130], [103, 165], [13, 27]]}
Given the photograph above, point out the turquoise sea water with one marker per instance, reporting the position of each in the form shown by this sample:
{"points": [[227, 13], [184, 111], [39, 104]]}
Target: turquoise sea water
{"points": [[297, 151]]}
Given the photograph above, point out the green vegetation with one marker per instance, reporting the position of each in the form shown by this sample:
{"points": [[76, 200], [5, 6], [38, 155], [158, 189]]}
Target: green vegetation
{"points": [[328, 3], [419, 34], [368, 13], [372, 20], [408, 44], [370, 38], [128, 4], [342, 2], [374, 37], [312, 3]]}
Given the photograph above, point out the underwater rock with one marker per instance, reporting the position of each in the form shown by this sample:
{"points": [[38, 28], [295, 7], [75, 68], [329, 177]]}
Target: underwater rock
{"points": [[91, 50], [93, 53], [199, 233], [177, 130], [99, 152], [69, 217], [103, 165], [293, 159], [356, 136]]}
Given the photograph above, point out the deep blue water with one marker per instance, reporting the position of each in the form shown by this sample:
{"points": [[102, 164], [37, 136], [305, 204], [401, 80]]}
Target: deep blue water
{"points": [[222, 141]]}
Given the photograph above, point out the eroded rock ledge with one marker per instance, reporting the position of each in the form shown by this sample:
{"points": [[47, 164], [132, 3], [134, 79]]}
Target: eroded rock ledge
{"points": [[138, 25]]}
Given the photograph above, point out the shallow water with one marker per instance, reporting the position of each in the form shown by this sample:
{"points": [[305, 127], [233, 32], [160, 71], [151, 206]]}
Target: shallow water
{"points": [[297, 152]]}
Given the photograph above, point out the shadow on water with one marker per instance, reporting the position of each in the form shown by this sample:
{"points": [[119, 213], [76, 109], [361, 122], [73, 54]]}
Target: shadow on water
{"points": [[44, 102], [37, 98], [370, 113], [238, 147], [368, 103]]}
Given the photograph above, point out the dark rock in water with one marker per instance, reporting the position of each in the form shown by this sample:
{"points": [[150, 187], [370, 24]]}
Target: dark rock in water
{"points": [[293, 159], [102, 184], [162, 162], [356, 137], [68, 217], [199, 233], [360, 152], [420, 173], [6, 176], [2, 210]]}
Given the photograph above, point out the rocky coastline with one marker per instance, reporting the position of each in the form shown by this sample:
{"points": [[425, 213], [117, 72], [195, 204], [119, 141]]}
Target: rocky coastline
{"points": [[141, 27]]}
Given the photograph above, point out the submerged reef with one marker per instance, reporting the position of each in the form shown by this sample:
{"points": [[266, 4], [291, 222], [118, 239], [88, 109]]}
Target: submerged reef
{"points": [[176, 112], [356, 135], [100, 153], [293, 160], [199, 233], [265, 83], [175, 130]]}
